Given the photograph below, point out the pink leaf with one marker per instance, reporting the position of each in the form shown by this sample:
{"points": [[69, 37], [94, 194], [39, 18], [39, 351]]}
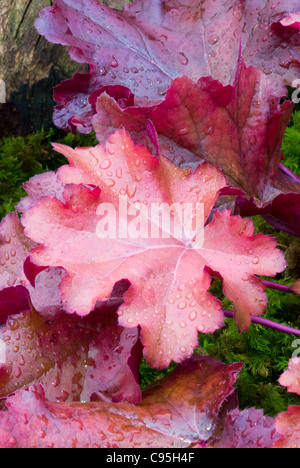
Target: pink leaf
{"points": [[247, 429], [288, 425], [288, 422], [15, 266], [40, 185], [150, 43], [291, 377], [175, 412], [168, 296], [14, 248]]}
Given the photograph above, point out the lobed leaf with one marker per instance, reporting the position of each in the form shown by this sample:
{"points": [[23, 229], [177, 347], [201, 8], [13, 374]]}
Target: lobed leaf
{"points": [[64, 356], [168, 297], [149, 43], [176, 412]]}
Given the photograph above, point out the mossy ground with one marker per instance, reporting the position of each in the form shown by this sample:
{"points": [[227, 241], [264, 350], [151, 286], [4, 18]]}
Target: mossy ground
{"points": [[264, 352]]}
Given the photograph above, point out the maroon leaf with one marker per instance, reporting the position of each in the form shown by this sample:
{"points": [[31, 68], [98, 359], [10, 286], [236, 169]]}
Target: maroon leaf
{"points": [[237, 127], [114, 358], [178, 411], [283, 212], [150, 43], [12, 301], [64, 355]]}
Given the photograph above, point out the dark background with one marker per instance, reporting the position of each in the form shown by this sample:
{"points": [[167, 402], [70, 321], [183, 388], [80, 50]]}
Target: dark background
{"points": [[31, 67]]}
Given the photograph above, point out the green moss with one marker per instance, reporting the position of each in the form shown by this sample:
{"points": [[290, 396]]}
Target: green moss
{"points": [[291, 144], [24, 157]]}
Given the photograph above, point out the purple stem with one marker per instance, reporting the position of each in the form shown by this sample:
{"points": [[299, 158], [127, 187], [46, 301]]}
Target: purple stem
{"points": [[280, 287], [289, 173], [268, 323]]}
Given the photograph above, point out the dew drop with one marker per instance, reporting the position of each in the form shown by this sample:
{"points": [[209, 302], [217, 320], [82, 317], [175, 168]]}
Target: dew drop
{"points": [[110, 182], [193, 315], [284, 64], [268, 70], [56, 382], [105, 164], [102, 71], [131, 190], [213, 39], [209, 130], [183, 131], [119, 172], [182, 58], [114, 63], [252, 139], [22, 361], [12, 324], [183, 349], [181, 305], [255, 260], [182, 324], [18, 372]]}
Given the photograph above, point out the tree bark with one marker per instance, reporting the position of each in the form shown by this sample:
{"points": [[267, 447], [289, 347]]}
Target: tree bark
{"points": [[30, 67]]}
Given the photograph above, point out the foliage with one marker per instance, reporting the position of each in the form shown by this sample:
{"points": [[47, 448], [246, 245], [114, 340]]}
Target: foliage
{"points": [[89, 322]]}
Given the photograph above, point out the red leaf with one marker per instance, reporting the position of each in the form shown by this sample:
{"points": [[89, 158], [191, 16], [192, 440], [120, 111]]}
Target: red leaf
{"points": [[283, 212], [238, 128], [150, 43], [168, 296], [175, 412]]}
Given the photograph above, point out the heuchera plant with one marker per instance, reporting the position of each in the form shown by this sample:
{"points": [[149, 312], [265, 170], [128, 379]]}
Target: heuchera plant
{"points": [[185, 100]]}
